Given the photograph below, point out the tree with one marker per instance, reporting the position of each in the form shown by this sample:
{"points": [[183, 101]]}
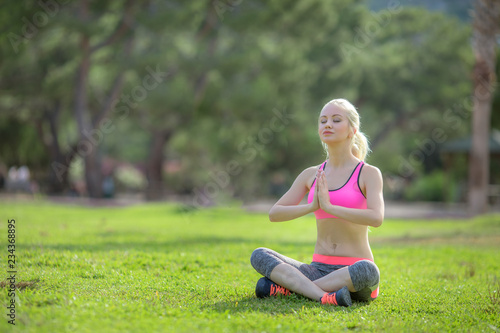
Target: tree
{"points": [[409, 86], [173, 46], [256, 118], [34, 88], [91, 122], [486, 26], [57, 67], [230, 69], [206, 81]]}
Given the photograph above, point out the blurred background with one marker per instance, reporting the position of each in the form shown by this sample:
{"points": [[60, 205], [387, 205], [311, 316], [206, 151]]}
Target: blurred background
{"points": [[217, 101]]}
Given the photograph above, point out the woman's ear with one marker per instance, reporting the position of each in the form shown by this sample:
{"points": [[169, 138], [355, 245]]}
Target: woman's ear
{"points": [[353, 131]]}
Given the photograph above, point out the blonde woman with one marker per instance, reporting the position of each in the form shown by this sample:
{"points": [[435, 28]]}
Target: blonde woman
{"points": [[345, 194]]}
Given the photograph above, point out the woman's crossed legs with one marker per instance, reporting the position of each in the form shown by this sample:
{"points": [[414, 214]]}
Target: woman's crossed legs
{"points": [[317, 279]]}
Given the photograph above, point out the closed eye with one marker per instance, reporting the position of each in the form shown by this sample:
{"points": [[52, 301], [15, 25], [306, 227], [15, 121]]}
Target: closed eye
{"points": [[324, 119]]}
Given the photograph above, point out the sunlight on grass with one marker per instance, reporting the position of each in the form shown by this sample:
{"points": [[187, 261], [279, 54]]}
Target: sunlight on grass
{"points": [[161, 267]]}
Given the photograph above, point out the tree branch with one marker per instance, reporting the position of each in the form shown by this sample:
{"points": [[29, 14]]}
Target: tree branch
{"points": [[41, 133], [115, 90], [398, 121], [207, 26], [50, 143], [53, 120], [80, 100], [120, 30]]}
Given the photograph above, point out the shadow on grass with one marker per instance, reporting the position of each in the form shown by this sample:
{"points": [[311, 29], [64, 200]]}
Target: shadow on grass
{"points": [[21, 285], [293, 304], [202, 243]]}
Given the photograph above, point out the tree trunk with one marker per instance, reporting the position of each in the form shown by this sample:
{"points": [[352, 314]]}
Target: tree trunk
{"points": [[58, 179], [87, 146], [90, 135], [479, 159], [486, 22], [154, 190], [397, 122], [93, 175]]}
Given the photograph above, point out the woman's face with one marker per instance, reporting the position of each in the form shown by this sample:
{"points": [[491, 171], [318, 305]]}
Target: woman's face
{"points": [[334, 125]]}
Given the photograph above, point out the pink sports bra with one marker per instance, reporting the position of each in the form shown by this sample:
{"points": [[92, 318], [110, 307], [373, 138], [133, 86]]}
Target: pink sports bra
{"points": [[348, 195]]}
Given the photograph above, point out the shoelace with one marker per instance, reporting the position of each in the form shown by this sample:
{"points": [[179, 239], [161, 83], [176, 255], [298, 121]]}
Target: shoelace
{"points": [[277, 289], [330, 299]]}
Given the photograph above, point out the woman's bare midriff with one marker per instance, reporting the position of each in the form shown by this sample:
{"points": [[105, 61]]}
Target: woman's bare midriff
{"points": [[341, 238]]}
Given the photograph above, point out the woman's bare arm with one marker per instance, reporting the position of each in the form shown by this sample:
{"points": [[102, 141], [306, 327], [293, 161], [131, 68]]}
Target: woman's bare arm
{"points": [[288, 208]]}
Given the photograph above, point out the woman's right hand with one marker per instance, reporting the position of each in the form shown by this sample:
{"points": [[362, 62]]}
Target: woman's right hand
{"points": [[314, 205], [289, 206]]}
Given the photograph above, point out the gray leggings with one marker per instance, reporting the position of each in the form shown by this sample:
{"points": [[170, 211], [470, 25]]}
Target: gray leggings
{"points": [[364, 274]]}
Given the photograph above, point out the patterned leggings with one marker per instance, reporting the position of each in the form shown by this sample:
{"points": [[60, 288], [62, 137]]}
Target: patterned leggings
{"points": [[364, 274]]}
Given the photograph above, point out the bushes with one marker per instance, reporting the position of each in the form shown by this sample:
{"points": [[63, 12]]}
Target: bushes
{"points": [[431, 187]]}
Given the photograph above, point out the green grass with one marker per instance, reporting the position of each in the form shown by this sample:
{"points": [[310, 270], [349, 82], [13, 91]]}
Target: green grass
{"points": [[160, 268]]}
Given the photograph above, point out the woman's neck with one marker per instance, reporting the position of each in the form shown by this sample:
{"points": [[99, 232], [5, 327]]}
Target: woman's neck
{"points": [[340, 155]]}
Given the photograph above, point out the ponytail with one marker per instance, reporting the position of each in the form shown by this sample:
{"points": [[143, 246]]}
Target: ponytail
{"points": [[360, 145]]}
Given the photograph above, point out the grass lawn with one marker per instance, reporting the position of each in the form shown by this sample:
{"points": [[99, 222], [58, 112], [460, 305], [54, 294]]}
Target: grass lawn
{"points": [[160, 268]]}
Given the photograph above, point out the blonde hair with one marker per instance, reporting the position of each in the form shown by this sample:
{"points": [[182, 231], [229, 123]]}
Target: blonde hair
{"points": [[359, 142]]}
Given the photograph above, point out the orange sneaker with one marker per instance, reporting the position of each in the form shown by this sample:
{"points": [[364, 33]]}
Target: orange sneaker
{"points": [[341, 297], [266, 288]]}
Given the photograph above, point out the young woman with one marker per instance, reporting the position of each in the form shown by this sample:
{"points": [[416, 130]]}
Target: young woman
{"points": [[345, 195]]}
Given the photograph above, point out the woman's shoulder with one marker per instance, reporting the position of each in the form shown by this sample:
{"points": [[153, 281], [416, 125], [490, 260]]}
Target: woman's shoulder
{"points": [[312, 169], [371, 171], [309, 174]]}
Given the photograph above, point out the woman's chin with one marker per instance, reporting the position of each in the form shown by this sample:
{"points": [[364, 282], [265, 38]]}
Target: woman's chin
{"points": [[331, 140]]}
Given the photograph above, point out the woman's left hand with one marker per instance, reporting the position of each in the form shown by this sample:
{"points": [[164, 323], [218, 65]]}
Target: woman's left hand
{"points": [[323, 195]]}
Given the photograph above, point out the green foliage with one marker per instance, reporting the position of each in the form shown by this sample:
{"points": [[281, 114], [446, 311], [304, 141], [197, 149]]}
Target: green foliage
{"points": [[166, 266], [431, 187], [130, 178], [15, 133], [495, 114], [230, 65], [405, 91], [459, 8]]}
